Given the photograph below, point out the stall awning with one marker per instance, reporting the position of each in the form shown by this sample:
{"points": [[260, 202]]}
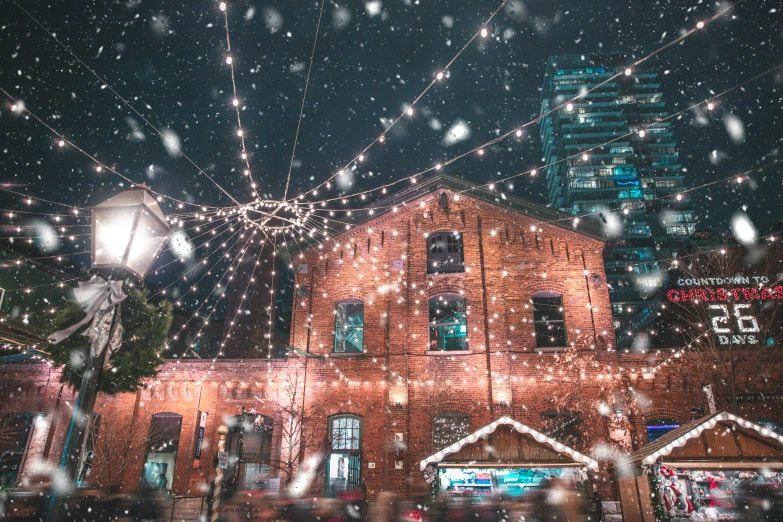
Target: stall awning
{"points": [[533, 447], [700, 442]]}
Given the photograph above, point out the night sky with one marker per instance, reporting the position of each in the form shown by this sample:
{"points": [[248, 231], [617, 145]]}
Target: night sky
{"points": [[168, 60]]}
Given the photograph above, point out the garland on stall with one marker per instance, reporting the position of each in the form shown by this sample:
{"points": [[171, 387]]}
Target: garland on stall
{"points": [[655, 494], [138, 357]]}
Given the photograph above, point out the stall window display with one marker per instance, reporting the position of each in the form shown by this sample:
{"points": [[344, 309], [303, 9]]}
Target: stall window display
{"points": [[507, 481], [703, 495]]}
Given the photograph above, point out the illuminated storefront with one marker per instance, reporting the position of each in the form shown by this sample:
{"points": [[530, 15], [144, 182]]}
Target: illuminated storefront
{"points": [[506, 457], [704, 469]]}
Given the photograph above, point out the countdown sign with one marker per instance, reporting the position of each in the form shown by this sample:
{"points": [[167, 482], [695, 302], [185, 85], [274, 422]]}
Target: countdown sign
{"points": [[729, 302]]}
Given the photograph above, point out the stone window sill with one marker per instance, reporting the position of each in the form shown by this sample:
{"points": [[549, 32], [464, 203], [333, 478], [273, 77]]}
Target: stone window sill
{"points": [[447, 274], [346, 354], [445, 353]]}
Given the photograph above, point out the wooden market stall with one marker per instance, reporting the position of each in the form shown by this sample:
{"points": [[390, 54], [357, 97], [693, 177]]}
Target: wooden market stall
{"points": [[505, 456], [699, 467]]}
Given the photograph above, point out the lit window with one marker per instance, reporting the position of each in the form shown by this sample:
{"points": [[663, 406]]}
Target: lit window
{"points": [[549, 319], [658, 427], [162, 445], [448, 322], [349, 326], [444, 253]]}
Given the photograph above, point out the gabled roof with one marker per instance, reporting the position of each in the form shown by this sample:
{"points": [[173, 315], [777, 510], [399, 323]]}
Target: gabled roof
{"points": [[676, 438], [521, 428], [589, 226]]}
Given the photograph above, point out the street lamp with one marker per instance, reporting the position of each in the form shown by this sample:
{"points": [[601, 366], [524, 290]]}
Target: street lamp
{"points": [[128, 232]]}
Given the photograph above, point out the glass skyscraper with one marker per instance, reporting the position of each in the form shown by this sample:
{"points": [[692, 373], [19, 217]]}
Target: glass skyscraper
{"points": [[610, 153]]}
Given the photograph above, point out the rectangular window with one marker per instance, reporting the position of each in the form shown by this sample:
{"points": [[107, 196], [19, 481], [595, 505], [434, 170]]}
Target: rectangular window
{"points": [[549, 320], [444, 253], [162, 445], [349, 327], [448, 323]]}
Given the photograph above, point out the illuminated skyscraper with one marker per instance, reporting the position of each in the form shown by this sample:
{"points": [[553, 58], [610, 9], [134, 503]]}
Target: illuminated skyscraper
{"points": [[610, 152]]}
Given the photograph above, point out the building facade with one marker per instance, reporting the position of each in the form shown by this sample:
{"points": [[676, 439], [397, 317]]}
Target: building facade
{"points": [[612, 152], [451, 316]]}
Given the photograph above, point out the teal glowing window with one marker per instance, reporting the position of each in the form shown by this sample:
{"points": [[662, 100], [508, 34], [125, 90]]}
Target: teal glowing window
{"points": [[349, 326], [448, 323]]}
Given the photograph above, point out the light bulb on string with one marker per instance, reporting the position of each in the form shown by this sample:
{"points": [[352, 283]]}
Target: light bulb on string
{"points": [[439, 76], [484, 32], [235, 102], [700, 25], [628, 71], [229, 60]]}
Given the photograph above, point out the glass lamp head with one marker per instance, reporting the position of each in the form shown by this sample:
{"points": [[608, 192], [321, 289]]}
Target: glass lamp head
{"points": [[128, 232]]}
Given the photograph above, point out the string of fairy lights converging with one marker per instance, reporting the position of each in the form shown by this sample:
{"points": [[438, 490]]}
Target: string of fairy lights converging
{"points": [[262, 225]]}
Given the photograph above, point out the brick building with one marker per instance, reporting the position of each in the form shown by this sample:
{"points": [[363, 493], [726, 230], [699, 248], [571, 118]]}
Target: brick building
{"points": [[449, 309]]}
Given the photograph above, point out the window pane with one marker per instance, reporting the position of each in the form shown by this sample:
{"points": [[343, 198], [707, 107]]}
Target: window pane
{"points": [[449, 428], [163, 435], [346, 433], [448, 323], [549, 320], [348, 339], [659, 427], [349, 327], [444, 253]]}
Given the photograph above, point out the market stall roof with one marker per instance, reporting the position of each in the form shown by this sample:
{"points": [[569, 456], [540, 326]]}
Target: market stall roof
{"points": [[560, 450], [768, 447]]}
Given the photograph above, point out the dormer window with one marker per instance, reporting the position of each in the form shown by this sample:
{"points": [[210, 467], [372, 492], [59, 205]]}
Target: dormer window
{"points": [[444, 253]]}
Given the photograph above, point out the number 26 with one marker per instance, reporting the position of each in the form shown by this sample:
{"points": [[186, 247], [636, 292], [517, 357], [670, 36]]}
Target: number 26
{"points": [[742, 320]]}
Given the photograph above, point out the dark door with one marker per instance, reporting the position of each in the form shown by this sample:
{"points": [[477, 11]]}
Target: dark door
{"points": [[354, 471]]}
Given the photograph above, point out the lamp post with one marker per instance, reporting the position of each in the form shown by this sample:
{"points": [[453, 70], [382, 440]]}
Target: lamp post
{"points": [[127, 234]]}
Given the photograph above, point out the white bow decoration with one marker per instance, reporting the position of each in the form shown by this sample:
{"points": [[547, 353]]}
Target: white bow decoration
{"points": [[100, 298]]}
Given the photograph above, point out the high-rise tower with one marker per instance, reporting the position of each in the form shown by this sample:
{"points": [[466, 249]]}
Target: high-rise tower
{"points": [[611, 152]]}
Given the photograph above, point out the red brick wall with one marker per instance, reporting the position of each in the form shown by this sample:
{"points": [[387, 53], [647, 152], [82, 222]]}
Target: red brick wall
{"points": [[396, 387]]}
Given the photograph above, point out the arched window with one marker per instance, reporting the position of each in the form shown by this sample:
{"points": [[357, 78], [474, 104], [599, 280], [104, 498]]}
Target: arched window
{"points": [[658, 427], [14, 432], [448, 322], [344, 466], [162, 445], [349, 326], [249, 447], [444, 253], [448, 428], [549, 319]]}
